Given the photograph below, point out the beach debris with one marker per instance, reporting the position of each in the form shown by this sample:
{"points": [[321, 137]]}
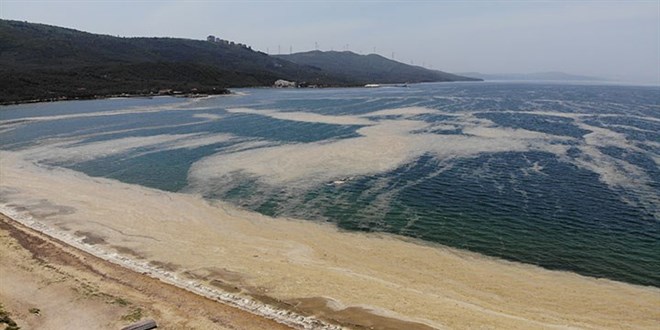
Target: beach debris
{"points": [[142, 325]]}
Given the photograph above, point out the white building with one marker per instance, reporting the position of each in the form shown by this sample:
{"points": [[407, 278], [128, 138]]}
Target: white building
{"points": [[281, 83]]}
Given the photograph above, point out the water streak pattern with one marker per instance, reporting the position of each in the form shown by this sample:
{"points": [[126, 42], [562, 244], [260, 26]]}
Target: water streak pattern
{"points": [[561, 176]]}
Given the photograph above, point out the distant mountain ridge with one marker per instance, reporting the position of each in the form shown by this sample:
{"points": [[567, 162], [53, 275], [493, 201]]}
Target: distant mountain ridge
{"points": [[552, 75], [370, 68]]}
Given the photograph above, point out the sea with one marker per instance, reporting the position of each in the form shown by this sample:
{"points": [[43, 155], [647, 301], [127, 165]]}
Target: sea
{"points": [[560, 175]]}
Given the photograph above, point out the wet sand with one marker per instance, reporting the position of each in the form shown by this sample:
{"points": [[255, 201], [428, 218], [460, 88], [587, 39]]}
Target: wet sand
{"points": [[278, 266]]}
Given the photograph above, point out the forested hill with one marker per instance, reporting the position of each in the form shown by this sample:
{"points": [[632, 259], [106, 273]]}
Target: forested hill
{"points": [[370, 68], [40, 61], [43, 62]]}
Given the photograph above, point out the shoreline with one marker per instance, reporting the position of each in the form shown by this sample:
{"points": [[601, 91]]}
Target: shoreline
{"points": [[227, 91], [255, 304], [281, 316], [206, 93], [95, 293], [224, 91], [284, 316], [355, 279]]}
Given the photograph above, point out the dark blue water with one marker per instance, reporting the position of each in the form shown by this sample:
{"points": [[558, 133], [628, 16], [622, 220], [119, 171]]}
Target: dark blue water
{"points": [[579, 193]]}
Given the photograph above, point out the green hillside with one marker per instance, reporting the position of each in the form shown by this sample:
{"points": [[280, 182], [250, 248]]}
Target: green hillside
{"points": [[42, 62], [370, 68]]}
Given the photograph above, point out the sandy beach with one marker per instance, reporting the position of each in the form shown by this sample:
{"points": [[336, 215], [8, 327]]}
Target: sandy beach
{"points": [[285, 269], [51, 285]]}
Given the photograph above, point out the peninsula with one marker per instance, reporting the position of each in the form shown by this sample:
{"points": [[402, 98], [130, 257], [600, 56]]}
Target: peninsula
{"points": [[47, 63]]}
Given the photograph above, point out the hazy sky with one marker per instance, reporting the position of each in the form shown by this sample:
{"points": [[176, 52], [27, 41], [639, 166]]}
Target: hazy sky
{"points": [[612, 39]]}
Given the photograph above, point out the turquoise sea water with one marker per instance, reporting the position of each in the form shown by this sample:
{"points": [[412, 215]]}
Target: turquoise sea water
{"points": [[561, 176]]}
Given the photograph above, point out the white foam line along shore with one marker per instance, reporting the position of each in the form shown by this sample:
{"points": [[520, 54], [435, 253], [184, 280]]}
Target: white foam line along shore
{"points": [[290, 259]]}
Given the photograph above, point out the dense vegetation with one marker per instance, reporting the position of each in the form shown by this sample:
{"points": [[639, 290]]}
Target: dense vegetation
{"points": [[370, 68], [42, 62], [98, 81], [46, 62]]}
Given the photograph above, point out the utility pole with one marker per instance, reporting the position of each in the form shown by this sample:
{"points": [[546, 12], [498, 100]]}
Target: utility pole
{"points": [[316, 45], [392, 55], [279, 52], [290, 50]]}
